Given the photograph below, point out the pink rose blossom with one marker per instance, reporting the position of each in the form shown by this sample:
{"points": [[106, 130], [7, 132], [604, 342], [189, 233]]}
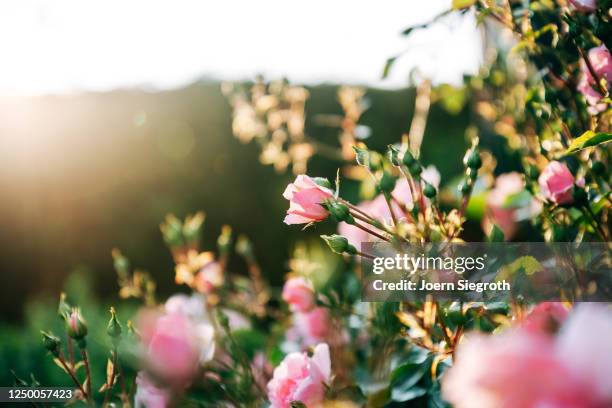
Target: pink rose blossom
{"points": [[149, 395], [584, 5], [314, 326], [301, 378], [175, 345], [305, 198], [585, 345], [520, 368], [557, 183], [299, 293], [601, 62], [545, 318]]}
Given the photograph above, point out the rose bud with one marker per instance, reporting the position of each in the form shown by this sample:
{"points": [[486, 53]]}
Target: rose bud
{"points": [[75, 325], [51, 342]]}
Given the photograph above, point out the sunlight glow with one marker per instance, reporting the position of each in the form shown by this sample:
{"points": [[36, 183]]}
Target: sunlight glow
{"points": [[70, 45]]}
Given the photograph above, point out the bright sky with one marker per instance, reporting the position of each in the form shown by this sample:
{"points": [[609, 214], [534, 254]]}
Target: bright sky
{"points": [[69, 45]]}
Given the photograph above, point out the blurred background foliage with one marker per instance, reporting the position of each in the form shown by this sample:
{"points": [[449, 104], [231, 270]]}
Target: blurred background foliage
{"points": [[85, 173]]}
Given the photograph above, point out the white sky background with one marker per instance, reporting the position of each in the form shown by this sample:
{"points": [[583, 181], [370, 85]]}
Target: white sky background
{"points": [[54, 46]]}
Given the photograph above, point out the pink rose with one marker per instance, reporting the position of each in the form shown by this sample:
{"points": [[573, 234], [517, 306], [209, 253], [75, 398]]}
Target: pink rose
{"points": [[557, 183], [601, 62], [511, 370], [301, 378], [148, 395], [209, 277], [585, 345], [299, 293], [313, 326], [545, 318], [175, 345], [520, 368], [584, 5], [305, 198]]}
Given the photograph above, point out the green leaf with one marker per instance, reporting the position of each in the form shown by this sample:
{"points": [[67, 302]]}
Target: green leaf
{"points": [[404, 379], [496, 235], [588, 139], [461, 4], [517, 200], [528, 264]]}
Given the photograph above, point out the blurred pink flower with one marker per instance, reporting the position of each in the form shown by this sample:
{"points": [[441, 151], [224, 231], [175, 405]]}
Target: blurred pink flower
{"points": [[313, 326], [601, 62], [175, 345], [585, 345], [376, 208], [301, 378], [498, 212], [299, 294], [546, 318], [305, 197], [557, 183], [520, 369], [209, 277], [148, 395], [584, 5]]}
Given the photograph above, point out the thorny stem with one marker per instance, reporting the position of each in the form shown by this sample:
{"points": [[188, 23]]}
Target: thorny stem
{"points": [[87, 371], [70, 350], [369, 231], [373, 222], [364, 255], [62, 361]]}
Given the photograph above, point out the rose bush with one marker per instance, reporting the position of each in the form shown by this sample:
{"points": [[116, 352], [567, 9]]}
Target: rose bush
{"points": [[236, 341]]}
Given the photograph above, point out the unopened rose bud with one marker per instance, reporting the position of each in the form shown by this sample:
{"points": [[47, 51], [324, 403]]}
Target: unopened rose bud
{"points": [[362, 156], [51, 342], [464, 187], [375, 161], [113, 329], [244, 247], [415, 169], [408, 159], [75, 325], [63, 308], [393, 154], [224, 241], [472, 173], [340, 212], [429, 191], [339, 244], [473, 160], [387, 183]]}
